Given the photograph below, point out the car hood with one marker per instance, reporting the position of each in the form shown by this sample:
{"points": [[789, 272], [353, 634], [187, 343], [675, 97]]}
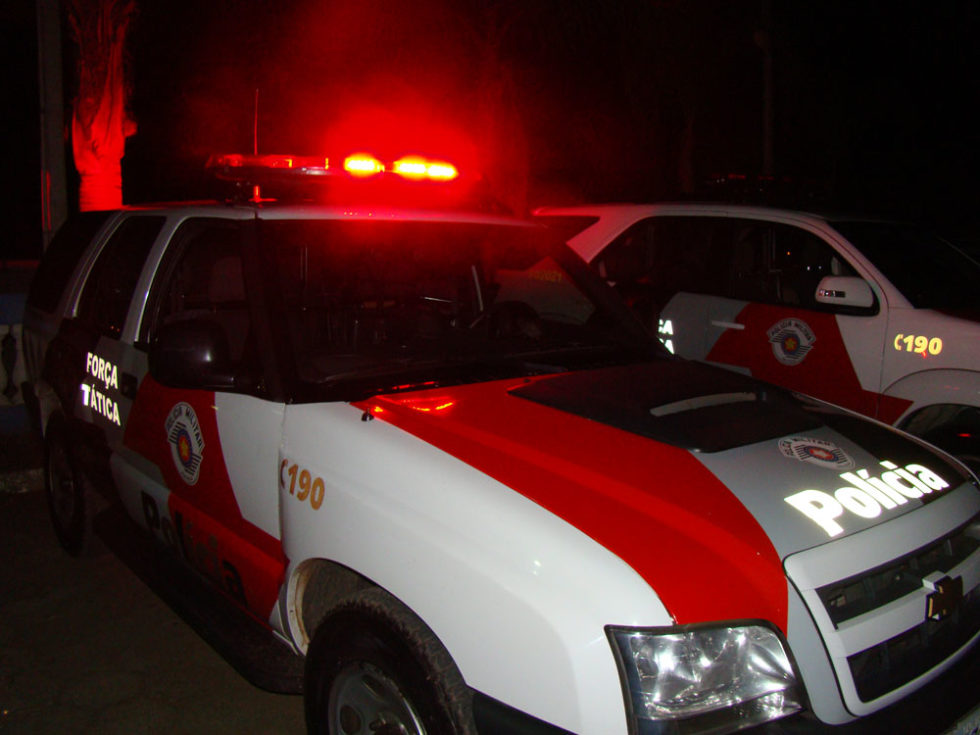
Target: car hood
{"points": [[702, 480]]}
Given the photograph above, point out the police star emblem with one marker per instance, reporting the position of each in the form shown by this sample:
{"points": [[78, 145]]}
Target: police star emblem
{"points": [[186, 441], [791, 340]]}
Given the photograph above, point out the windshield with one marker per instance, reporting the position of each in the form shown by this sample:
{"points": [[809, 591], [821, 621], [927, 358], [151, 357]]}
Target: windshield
{"points": [[929, 272], [396, 305]]}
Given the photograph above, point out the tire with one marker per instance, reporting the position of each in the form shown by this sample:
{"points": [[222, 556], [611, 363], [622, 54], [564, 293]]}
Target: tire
{"points": [[70, 500], [374, 668]]}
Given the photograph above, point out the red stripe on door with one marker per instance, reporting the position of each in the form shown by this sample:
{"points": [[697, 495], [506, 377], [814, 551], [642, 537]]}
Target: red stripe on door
{"points": [[826, 371], [208, 526]]}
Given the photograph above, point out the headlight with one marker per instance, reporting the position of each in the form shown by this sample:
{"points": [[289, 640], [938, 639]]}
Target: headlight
{"points": [[704, 679]]}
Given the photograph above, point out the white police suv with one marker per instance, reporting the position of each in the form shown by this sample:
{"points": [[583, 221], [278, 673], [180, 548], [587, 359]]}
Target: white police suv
{"points": [[434, 455], [881, 317]]}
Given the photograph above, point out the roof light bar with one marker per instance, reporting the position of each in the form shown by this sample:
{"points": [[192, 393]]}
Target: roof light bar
{"points": [[249, 171], [358, 164]]}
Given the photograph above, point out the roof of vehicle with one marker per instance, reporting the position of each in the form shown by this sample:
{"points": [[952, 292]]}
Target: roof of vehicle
{"points": [[613, 218], [719, 208], [385, 212], [273, 210]]}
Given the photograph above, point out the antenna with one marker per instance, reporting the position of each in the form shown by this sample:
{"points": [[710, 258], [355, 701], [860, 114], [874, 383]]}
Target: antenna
{"points": [[255, 125], [256, 189]]}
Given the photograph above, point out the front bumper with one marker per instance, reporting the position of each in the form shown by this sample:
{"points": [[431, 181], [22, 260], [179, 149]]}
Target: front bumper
{"points": [[949, 705]]}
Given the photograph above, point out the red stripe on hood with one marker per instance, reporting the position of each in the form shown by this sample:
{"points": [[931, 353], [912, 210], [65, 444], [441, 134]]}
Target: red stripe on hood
{"points": [[655, 506]]}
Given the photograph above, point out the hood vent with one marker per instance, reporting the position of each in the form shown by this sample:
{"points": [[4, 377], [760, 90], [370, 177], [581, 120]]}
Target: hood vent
{"points": [[683, 404], [696, 404]]}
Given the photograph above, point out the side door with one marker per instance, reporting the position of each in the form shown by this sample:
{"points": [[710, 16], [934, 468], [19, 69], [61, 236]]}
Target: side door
{"points": [[198, 465], [85, 364], [771, 326]]}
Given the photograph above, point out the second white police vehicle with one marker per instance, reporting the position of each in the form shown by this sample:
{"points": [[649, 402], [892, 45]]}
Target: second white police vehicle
{"points": [[433, 455], [877, 315]]}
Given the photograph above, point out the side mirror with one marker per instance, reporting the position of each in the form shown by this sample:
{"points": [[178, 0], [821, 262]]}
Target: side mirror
{"points": [[191, 354], [845, 291]]}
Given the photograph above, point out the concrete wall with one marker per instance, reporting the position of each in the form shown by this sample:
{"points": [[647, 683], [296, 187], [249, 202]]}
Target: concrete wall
{"points": [[15, 278]]}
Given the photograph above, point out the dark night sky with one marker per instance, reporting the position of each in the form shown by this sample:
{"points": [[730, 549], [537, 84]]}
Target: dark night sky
{"points": [[583, 100]]}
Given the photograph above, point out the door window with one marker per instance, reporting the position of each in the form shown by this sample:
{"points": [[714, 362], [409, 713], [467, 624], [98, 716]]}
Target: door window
{"points": [[204, 281], [109, 287], [61, 258], [662, 256], [779, 264], [748, 260]]}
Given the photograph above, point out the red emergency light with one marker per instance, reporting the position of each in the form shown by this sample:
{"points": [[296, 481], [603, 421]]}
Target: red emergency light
{"points": [[417, 168], [363, 164], [410, 180]]}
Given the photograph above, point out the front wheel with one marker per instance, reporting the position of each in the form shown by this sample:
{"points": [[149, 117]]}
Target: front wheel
{"points": [[374, 668]]}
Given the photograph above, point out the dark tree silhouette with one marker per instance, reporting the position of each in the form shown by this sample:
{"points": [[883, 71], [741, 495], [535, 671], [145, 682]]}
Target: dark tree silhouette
{"points": [[100, 117]]}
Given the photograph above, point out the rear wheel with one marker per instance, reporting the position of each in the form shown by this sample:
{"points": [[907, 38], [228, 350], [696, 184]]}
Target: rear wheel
{"points": [[374, 668], [70, 500]]}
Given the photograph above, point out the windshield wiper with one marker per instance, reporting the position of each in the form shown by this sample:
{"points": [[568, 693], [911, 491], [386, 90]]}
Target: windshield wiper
{"points": [[398, 375]]}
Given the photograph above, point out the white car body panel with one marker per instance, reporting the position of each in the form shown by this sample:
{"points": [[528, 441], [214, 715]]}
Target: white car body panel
{"points": [[248, 428], [397, 508]]}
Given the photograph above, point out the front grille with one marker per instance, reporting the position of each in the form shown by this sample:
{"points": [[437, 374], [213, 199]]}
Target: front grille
{"points": [[897, 661], [873, 589], [869, 599]]}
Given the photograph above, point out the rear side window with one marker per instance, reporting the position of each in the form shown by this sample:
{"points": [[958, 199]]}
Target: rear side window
{"points": [[110, 284], [61, 257]]}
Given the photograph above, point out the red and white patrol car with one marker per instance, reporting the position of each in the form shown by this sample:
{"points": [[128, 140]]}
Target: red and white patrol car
{"points": [[878, 316], [434, 454]]}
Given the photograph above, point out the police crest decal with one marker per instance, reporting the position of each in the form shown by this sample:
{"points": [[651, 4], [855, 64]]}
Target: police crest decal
{"points": [[186, 441], [815, 451], [791, 340]]}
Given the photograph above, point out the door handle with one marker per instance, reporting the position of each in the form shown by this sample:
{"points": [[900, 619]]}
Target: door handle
{"points": [[727, 325], [128, 384]]}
